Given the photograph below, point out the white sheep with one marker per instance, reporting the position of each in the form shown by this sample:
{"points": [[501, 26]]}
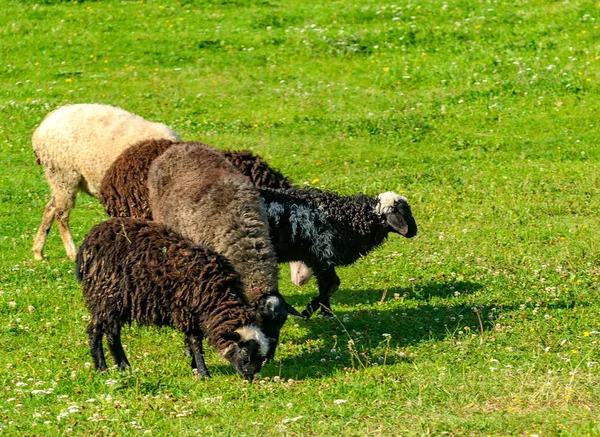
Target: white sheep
{"points": [[76, 144]]}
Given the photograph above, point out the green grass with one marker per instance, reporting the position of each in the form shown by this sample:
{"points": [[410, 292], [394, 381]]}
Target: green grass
{"points": [[484, 114]]}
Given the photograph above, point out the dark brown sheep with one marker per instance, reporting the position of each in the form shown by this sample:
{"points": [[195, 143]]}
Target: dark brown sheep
{"points": [[133, 269], [197, 192], [124, 191]]}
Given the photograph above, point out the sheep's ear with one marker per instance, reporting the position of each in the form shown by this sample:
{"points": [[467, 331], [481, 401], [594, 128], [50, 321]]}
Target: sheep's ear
{"points": [[403, 225]]}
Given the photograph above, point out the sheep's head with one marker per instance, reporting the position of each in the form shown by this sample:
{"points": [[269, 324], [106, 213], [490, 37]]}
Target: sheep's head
{"points": [[248, 352], [396, 210], [271, 311]]}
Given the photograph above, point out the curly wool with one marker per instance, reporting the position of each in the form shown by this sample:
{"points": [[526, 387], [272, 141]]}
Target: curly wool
{"points": [[259, 171], [325, 230], [197, 192], [124, 191], [135, 270]]}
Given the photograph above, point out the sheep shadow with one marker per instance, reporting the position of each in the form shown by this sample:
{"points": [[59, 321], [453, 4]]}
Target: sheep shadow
{"points": [[380, 324], [380, 330], [432, 289], [371, 335], [368, 296]]}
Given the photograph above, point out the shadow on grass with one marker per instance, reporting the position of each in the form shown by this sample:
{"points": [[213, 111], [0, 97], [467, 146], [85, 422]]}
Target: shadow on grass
{"points": [[378, 333], [418, 291], [376, 326], [378, 321]]}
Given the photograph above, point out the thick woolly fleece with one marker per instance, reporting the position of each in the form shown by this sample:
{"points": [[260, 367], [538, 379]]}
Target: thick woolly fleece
{"points": [[136, 270], [197, 192], [76, 145], [259, 171], [124, 191], [325, 230]]}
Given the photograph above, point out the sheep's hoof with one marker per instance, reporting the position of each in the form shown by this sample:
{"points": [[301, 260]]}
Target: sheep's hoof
{"points": [[38, 256]]}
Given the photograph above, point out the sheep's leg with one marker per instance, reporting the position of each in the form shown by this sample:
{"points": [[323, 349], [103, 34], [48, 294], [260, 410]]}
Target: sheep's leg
{"points": [[113, 337], [43, 230], [328, 282], [95, 334], [194, 341], [62, 220], [63, 186]]}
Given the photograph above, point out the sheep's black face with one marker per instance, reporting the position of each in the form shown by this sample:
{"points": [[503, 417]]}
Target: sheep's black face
{"points": [[248, 351], [272, 312], [247, 358], [401, 220]]}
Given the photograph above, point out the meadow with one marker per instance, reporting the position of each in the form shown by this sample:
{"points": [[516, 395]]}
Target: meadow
{"points": [[484, 113]]}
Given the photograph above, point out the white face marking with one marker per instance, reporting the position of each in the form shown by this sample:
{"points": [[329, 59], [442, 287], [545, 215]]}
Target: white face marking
{"points": [[250, 332], [272, 303], [386, 202]]}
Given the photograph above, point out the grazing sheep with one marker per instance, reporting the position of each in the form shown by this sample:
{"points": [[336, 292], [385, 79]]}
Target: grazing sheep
{"points": [[124, 191], [197, 192], [325, 230], [76, 144], [133, 269]]}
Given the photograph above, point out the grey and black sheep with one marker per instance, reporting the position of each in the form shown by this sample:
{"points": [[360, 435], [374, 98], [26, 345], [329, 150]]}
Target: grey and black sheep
{"points": [[76, 144], [325, 230], [197, 192], [138, 270], [124, 190]]}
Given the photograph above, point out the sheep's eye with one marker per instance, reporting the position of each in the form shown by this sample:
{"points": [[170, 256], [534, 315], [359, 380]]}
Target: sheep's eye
{"points": [[243, 353]]}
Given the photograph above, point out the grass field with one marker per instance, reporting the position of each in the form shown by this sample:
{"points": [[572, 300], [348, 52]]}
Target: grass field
{"points": [[485, 114]]}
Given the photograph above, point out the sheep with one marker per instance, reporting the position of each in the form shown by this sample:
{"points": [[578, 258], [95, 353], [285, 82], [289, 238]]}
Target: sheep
{"points": [[76, 144], [124, 191], [134, 269], [197, 192], [325, 230]]}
